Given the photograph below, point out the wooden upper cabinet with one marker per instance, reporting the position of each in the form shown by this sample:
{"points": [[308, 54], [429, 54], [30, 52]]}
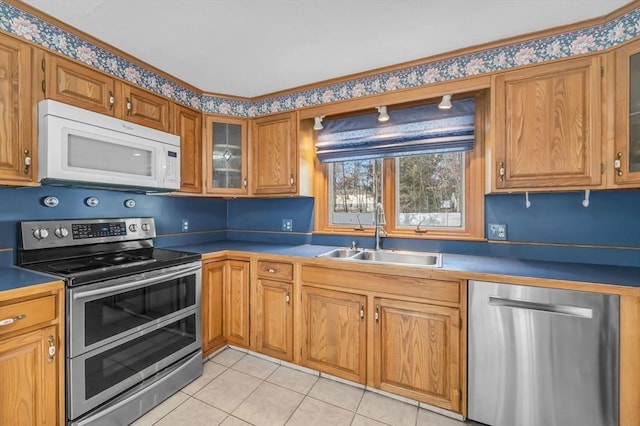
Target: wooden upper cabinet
{"points": [[626, 159], [274, 155], [548, 126], [17, 142], [187, 124], [334, 332], [79, 85], [226, 156], [417, 352], [142, 107]]}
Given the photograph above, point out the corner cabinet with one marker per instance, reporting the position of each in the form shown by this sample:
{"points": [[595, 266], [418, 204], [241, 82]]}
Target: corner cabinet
{"points": [[226, 156], [32, 355], [274, 157], [547, 126], [187, 124], [17, 140], [627, 116]]}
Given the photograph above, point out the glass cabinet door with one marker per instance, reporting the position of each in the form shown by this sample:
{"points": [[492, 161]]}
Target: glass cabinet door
{"points": [[226, 156], [627, 118]]}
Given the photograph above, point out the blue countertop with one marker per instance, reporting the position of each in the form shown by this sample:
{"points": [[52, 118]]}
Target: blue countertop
{"points": [[14, 277], [602, 274]]}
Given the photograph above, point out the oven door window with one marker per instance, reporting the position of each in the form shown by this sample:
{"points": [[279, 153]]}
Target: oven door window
{"points": [[107, 369], [111, 315]]}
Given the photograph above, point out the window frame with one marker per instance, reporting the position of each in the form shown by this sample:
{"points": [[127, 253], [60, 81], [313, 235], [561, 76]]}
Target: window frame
{"points": [[474, 172]]}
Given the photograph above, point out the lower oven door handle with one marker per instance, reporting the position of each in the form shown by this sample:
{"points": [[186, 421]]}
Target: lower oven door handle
{"points": [[130, 285]]}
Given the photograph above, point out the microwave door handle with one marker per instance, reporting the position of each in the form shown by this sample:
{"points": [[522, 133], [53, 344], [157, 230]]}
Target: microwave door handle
{"points": [[131, 285]]}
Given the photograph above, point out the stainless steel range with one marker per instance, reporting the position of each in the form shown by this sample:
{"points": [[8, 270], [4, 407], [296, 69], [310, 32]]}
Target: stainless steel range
{"points": [[133, 321]]}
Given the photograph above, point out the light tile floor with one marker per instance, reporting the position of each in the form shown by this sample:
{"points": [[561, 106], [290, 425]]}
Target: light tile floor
{"points": [[237, 388]]}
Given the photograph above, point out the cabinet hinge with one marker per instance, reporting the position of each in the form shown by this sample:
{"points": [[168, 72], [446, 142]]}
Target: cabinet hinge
{"points": [[601, 168], [43, 65], [44, 86], [601, 71]]}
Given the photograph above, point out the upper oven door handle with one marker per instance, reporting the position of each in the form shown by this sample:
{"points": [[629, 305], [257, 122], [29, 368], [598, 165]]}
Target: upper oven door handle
{"points": [[118, 288]]}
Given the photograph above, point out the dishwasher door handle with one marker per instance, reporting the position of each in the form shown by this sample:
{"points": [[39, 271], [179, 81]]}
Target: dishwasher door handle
{"points": [[574, 311]]}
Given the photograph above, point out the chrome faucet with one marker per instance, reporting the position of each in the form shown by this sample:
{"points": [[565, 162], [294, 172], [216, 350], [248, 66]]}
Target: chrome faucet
{"points": [[378, 223]]}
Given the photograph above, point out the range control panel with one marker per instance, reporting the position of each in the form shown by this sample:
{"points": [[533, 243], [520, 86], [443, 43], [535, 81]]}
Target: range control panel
{"points": [[64, 233]]}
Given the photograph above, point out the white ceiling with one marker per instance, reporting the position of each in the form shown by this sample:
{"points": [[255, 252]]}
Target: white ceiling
{"points": [[255, 47]]}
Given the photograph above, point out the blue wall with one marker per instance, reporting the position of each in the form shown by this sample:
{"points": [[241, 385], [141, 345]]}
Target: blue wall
{"points": [[555, 227]]}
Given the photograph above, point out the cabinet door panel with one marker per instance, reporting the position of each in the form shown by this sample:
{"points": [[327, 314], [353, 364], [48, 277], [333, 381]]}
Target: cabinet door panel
{"points": [[417, 352], [142, 107], [275, 318], [81, 86], [236, 303], [548, 126], [226, 156], [627, 117], [334, 332], [188, 125], [212, 306], [274, 143], [16, 146], [28, 381]]}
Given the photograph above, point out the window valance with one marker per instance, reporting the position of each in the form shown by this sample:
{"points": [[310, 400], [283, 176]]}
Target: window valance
{"points": [[410, 131]]}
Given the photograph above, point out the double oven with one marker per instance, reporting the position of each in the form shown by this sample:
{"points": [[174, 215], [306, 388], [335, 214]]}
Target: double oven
{"points": [[133, 317]]}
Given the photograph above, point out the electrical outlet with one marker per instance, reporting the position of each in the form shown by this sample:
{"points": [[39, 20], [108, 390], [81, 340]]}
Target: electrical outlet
{"points": [[185, 225], [497, 231], [287, 225]]}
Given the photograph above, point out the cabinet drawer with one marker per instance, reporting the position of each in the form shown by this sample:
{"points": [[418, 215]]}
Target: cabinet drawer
{"points": [[27, 314], [275, 270]]}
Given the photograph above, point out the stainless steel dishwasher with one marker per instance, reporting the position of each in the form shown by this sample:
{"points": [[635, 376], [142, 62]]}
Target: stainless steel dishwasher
{"points": [[542, 357]]}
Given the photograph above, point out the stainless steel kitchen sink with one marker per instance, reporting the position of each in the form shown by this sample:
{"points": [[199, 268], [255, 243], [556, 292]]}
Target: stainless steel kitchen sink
{"points": [[410, 258], [407, 258], [341, 253]]}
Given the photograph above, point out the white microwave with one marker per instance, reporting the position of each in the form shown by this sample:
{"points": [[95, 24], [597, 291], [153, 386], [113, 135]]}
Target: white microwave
{"points": [[83, 148]]}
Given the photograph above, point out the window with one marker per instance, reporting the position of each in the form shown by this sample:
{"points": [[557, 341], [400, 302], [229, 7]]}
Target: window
{"points": [[433, 195]]}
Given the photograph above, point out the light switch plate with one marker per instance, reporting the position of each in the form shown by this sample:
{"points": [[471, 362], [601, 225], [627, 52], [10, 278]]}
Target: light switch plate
{"points": [[185, 225], [497, 231]]}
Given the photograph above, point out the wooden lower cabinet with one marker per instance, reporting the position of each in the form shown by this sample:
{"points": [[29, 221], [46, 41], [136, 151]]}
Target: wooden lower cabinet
{"points": [[416, 351], [275, 319], [334, 332], [225, 304], [236, 302], [212, 306], [32, 355]]}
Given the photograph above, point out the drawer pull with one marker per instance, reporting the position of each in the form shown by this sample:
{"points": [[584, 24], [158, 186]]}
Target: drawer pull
{"points": [[362, 312], [9, 321], [287, 298], [272, 271], [52, 348]]}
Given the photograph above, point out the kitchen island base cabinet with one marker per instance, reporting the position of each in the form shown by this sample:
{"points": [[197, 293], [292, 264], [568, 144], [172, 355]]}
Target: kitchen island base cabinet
{"points": [[416, 351], [334, 332]]}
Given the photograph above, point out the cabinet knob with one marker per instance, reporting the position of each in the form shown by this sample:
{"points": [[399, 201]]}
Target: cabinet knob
{"points": [[501, 171], [129, 106], [376, 316], [287, 298], [9, 321], [112, 100], [617, 164], [272, 271], [362, 312], [244, 182], [52, 348], [27, 162], [291, 180]]}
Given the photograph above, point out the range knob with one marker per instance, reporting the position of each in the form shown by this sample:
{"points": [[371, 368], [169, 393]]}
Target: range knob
{"points": [[133, 227], [40, 234], [61, 232], [145, 227]]}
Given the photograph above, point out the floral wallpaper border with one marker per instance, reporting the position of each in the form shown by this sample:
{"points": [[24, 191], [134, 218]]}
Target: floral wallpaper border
{"points": [[586, 40]]}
